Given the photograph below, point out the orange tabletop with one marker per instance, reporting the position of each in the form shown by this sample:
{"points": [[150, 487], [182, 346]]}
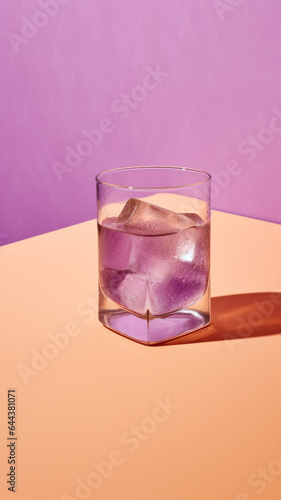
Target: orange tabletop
{"points": [[102, 417]]}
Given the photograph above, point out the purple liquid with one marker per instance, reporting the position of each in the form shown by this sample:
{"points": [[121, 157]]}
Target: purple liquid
{"points": [[155, 273]]}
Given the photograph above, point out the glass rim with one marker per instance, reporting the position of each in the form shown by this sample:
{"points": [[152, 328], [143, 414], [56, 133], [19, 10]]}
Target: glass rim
{"points": [[148, 167]]}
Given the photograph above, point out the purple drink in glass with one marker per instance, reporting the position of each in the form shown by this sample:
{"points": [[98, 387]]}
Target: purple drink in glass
{"points": [[154, 264]]}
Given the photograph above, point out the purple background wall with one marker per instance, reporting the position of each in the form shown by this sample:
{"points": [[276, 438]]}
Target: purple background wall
{"points": [[180, 82]]}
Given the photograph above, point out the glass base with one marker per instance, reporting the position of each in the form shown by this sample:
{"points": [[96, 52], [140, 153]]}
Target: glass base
{"points": [[151, 330]]}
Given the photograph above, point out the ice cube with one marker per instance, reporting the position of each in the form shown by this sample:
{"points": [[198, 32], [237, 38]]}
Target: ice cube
{"points": [[195, 218], [140, 217], [110, 279], [114, 245], [176, 267], [153, 259], [153, 256], [133, 293], [126, 289], [181, 288]]}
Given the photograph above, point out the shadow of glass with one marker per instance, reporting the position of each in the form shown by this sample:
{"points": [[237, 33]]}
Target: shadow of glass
{"points": [[238, 316]]}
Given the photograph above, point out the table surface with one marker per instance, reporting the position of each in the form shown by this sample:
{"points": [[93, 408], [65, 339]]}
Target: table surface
{"points": [[99, 416]]}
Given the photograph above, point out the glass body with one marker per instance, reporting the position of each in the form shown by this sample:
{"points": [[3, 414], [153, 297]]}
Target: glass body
{"points": [[154, 251]]}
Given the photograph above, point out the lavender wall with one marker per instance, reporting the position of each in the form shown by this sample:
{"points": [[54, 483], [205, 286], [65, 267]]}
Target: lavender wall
{"points": [[98, 84]]}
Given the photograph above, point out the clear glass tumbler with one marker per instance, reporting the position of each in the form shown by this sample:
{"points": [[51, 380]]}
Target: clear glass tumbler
{"points": [[154, 251]]}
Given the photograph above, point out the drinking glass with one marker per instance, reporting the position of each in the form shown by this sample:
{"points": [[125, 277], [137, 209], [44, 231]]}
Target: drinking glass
{"points": [[154, 251]]}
